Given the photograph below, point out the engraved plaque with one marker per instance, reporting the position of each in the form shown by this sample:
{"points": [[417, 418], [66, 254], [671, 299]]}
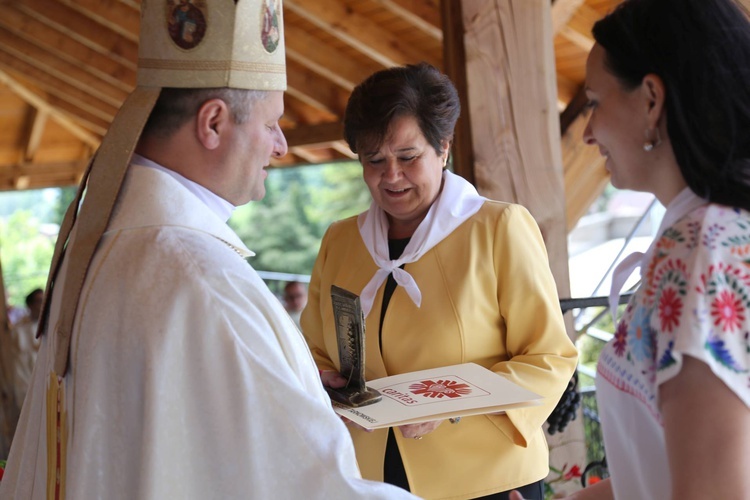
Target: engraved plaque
{"points": [[350, 336]]}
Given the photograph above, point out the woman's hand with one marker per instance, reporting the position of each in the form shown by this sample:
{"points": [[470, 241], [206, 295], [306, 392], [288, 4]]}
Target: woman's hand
{"points": [[416, 431]]}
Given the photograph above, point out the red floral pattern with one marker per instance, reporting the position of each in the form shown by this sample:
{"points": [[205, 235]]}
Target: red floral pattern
{"points": [[670, 308], [727, 311]]}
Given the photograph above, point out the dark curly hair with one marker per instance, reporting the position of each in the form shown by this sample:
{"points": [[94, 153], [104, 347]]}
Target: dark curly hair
{"points": [[701, 51], [418, 90]]}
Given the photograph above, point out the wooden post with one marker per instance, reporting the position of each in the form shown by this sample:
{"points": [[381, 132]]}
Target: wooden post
{"points": [[512, 111]]}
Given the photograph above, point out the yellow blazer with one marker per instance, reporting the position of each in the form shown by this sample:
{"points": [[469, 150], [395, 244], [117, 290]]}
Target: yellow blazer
{"points": [[488, 297]]}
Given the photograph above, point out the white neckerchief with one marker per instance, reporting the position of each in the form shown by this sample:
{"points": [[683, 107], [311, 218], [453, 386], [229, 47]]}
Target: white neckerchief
{"points": [[457, 201], [218, 205], [683, 204]]}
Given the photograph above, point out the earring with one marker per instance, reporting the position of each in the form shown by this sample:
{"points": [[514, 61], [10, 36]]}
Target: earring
{"points": [[649, 145]]}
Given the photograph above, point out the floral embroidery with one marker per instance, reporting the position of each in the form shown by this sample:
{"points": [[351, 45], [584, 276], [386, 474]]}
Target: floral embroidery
{"points": [[720, 353], [640, 336], [670, 307], [727, 311], [621, 338], [693, 234], [695, 297], [667, 359], [711, 234]]}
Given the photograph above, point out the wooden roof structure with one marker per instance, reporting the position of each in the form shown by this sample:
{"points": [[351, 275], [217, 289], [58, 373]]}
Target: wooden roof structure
{"points": [[67, 65]]}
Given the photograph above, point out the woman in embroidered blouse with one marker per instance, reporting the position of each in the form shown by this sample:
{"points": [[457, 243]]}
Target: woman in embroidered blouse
{"points": [[668, 83], [444, 277]]}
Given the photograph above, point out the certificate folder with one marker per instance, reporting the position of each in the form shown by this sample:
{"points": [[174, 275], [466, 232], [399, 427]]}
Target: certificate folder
{"points": [[437, 394]]}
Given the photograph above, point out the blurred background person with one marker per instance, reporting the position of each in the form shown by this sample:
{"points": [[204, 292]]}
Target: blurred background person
{"points": [[295, 299], [444, 276], [25, 344]]}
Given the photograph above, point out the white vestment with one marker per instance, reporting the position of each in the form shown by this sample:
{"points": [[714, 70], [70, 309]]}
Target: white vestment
{"points": [[187, 378]]}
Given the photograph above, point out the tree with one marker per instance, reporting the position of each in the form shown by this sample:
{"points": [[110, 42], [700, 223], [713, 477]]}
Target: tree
{"points": [[285, 228], [26, 253]]}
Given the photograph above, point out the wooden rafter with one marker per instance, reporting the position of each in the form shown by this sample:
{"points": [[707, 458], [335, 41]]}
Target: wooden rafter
{"points": [[39, 103]]}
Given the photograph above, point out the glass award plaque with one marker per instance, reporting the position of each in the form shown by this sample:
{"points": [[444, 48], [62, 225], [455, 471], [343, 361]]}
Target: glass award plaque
{"points": [[350, 336]]}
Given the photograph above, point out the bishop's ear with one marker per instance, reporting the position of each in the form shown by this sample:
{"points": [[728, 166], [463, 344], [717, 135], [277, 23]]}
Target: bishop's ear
{"points": [[212, 119]]}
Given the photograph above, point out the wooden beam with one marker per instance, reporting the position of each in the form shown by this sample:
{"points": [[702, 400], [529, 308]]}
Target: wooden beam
{"points": [[515, 123], [57, 87], [454, 59], [337, 19], [61, 70], [315, 90], [67, 49], [80, 28], [343, 148], [412, 12], [325, 60], [118, 17], [308, 135], [39, 121], [586, 42], [562, 12], [39, 103], [41, 175]]}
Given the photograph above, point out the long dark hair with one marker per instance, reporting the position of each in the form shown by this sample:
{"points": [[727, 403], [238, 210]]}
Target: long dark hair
{"points": [[418, 90], [701, 51]]}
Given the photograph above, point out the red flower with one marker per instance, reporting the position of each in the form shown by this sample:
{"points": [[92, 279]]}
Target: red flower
{"points": [[621, 338], [670, 307], [727, 311], [574, 472]]}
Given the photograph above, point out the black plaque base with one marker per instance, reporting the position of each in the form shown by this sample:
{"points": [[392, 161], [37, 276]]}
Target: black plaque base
{"points": [[354, 397]]}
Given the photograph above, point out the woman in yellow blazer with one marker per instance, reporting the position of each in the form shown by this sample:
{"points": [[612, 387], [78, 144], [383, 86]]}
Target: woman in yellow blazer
{"points": [[445, 277]]}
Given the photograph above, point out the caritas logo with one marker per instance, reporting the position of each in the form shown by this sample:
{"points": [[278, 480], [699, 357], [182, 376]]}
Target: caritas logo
{"points": [[440, 388]]}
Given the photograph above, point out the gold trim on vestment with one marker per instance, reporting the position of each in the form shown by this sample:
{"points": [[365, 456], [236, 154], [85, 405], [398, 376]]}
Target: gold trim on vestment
{"points": [[57, 438]]}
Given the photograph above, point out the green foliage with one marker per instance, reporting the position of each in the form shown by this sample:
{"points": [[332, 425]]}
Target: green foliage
{"points": [[285, 228], [26, 254], [65, 197]]}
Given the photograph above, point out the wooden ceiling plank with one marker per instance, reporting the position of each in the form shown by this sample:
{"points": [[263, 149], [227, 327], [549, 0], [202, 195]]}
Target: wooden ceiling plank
{"points": [[406, 10], [367, 37], [315, 90], [115, 16], [583, 41], [343, 148], [562, 12], [82, 29], [39, 103], [428, 10], [42, 175], [72, 75], [59, 88], [311, 135], [36, 133], [308, 156], [93, 124], [325, 60], [305, 114], [68, 49]]}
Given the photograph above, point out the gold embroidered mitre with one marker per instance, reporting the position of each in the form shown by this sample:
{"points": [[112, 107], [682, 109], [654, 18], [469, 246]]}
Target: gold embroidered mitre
{"points": [[212, 43]]}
